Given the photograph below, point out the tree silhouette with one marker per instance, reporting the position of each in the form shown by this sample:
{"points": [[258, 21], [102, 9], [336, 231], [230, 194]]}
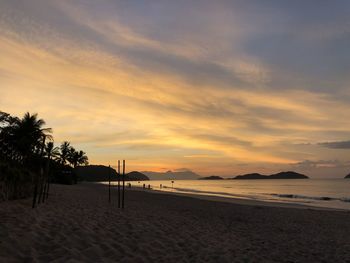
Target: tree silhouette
{"points": [[29, 158], [64, 152], [51, 151], [80, 158], [77, 158], [25, 135]]}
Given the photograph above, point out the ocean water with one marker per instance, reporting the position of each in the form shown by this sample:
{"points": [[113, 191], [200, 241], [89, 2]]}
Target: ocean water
{"points": [[327, 193]]}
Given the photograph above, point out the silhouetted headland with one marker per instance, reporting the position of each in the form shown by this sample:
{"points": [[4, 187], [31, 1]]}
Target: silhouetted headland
{"points": [[136, 176], [212, 177], [281, 175], [347, 177], [100, 173], [172, 175]]}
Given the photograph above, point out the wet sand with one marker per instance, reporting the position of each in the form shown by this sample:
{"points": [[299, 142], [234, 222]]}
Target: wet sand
{"points": [[78, 225]]}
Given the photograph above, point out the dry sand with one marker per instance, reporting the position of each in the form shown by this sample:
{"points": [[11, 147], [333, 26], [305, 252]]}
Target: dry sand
{"points": [[78, 225]]}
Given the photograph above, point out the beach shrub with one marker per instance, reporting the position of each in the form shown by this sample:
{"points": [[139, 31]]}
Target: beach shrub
{"points": [[15, 182]]}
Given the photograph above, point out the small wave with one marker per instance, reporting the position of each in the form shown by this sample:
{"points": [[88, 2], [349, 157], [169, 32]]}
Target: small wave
{"points": [[260, 196], [187, 190], [323, 198], [320, 198]]}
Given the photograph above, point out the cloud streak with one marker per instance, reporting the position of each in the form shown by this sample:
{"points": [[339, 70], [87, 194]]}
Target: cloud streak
{"points": [[206, 86], [336, 145]]}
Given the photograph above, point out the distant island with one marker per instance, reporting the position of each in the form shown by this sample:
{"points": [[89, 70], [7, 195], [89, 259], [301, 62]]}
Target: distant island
{"points": [[347, 177], [281, 175], [213, 177], [100, 173]]}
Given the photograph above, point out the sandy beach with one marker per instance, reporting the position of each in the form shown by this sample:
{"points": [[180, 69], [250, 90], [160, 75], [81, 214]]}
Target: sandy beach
{"points": [[77, 224]]}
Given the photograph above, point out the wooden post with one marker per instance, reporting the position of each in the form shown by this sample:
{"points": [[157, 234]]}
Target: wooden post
{"points": [[35, 190], [118, 183], [46, 183], [38, 179], [42, 183], [109, 184], [123, 193], [48, 178]]}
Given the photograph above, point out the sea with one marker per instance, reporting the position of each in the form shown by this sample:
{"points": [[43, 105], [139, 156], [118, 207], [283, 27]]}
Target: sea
{"points": [[325, 193]]}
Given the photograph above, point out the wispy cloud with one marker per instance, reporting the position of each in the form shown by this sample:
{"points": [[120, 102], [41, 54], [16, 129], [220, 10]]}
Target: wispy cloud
{"points": [[174, 84], [336, 145]]}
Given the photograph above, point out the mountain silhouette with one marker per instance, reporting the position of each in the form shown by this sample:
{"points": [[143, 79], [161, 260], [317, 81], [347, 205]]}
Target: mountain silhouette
{"points": [[281, 175], [212, 177], [100, 173]]}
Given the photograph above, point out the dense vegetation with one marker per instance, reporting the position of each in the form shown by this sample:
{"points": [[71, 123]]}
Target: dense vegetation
{"points": [[100, 173], [27, 152]]}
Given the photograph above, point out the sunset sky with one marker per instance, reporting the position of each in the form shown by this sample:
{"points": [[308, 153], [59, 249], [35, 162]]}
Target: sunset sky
{"points": [[217, 87]]}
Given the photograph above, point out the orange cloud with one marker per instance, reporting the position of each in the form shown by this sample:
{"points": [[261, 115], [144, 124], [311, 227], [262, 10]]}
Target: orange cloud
{"points": [[161, 109]]}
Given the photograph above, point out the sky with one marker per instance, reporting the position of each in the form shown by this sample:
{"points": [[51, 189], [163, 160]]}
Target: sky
{"points": [[216, 87]]}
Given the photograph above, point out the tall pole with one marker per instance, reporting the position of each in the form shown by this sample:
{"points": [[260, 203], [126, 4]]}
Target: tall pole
{"points": [[38, 177], [123, 196], [118, 183], [46, 183], [42, 171], [48, 178], [109, 184]]}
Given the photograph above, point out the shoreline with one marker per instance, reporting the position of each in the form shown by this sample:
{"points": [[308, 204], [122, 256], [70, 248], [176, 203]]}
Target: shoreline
{"points": [[234, 200], [78, 224], [242, 201]]}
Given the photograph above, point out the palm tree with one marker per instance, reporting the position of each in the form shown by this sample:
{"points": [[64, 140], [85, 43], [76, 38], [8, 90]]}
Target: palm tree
{"points": [[7, 139], [76, 158], [71, 156], [82, 158], [51, 151], [6, 120], [27, 135], [64, 152], [79, 158]]}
